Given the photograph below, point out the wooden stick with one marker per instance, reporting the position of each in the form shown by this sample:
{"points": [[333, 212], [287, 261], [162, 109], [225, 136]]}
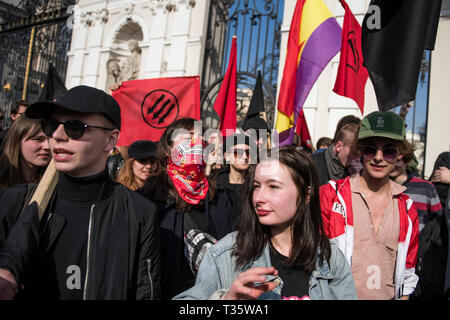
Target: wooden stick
{"points": [[45, 188], [269, 144]]}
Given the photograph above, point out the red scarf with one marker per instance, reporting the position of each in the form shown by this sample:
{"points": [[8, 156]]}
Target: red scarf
{"points": [[186, 169]]}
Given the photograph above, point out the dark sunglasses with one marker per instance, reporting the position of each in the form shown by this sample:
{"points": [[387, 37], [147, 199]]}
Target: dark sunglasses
{"points": [[73, 128], [389, 153], [240, 152]]}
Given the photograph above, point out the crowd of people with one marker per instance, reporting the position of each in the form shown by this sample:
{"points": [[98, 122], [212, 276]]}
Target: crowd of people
{"points": [[160, 220]]}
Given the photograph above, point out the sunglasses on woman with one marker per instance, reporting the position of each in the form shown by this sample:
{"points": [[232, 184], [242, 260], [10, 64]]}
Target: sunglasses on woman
{"points": [[389, 153], [73, 128], [240, 152]]}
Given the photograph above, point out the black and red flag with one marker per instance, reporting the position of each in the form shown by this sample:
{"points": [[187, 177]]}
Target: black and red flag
{"points": [[148, 106]]}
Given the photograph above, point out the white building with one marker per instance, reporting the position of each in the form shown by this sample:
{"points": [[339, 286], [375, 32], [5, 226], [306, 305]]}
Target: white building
{"points": [[171, 35]]}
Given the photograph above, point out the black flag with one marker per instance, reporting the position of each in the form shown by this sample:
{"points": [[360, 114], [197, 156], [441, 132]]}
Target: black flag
{"points": [[252, 119], [53, 87], [394, 37]]}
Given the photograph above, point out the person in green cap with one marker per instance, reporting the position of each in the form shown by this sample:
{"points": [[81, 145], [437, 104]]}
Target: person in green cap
{"points": [[370, 218]]}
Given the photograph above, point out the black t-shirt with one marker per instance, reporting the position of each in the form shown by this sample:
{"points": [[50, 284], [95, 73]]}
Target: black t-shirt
{"points": [[295, 281]]}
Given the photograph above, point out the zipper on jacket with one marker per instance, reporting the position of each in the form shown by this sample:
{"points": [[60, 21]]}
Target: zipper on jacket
{"points": [[149, 274], [88, 252]]}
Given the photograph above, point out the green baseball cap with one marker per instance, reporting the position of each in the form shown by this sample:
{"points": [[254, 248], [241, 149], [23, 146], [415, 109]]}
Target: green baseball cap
{"points": [[385, 124]]}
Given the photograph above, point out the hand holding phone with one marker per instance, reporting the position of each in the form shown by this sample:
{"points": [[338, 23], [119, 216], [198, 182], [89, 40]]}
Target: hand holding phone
{"points": [[252, 283]]}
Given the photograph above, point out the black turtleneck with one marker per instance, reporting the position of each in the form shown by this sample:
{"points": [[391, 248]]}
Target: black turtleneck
{"points": [[66, 263]]}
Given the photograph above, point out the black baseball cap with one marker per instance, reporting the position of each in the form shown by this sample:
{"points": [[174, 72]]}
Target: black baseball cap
{"points": [[80, 99], [142, 149]]}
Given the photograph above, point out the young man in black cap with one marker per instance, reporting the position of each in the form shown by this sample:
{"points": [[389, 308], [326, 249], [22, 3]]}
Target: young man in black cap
{"points": [[97, 239]]}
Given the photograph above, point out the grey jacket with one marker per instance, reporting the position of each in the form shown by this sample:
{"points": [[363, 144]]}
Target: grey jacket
{"points": [[218, 271]]}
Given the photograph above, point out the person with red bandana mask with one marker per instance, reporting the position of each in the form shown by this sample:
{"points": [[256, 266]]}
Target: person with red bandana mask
{"points": [[193, 213], [370, 218]]}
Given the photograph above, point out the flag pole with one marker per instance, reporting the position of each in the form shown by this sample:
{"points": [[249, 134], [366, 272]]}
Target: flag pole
{"points": [[269, 142], [216, 147]]}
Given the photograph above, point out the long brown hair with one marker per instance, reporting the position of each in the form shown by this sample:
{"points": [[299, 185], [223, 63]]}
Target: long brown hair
{"points": [[309, 240], [11, 159]]}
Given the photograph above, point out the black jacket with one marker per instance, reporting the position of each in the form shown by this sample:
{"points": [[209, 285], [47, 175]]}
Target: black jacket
{"points": [[234, 190], [433, 257], [321, 165], [123, 247]]}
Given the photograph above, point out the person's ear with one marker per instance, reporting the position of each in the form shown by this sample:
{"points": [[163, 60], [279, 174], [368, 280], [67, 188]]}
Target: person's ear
{"points": [[399, 157], [111, 142], [339, 145]]}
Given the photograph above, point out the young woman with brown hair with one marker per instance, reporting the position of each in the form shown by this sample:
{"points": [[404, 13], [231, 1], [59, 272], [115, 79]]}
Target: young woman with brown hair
{"points": [[26, 153], [280, 250]]}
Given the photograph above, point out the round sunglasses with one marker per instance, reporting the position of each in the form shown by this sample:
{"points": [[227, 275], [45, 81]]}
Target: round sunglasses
{"points": [[240, 152], [73, 128], [389, 153]]}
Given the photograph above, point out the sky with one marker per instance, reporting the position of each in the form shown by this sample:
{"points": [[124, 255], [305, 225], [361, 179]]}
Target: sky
{"points": [[417, 116]]}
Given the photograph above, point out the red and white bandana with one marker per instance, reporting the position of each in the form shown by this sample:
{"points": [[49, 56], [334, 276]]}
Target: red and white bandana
{"points": [[186, 168]]}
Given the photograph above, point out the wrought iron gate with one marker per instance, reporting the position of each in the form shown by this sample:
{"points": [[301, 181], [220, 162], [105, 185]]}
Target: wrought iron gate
{"points": [[257, 25], [33, 33]]}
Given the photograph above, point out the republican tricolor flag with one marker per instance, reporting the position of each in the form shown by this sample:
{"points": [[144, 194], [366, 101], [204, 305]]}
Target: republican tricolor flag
{"points": [[314, 39]]}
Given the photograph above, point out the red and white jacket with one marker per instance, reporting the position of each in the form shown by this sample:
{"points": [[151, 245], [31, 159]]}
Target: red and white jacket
{"points": [[337, 216]]}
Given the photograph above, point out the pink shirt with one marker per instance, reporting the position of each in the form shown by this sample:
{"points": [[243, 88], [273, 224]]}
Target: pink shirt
{"points": [[374, 256]]}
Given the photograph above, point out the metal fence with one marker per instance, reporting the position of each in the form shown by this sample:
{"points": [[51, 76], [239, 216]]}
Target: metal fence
{"points": [[257, 25], [33, 34]]}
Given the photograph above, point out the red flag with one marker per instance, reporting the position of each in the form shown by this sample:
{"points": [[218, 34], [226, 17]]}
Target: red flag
{"points": [[225, 104], [302, 131], [352, 75], [149, 106]]}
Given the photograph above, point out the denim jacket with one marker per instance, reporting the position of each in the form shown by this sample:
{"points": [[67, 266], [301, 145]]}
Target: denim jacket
{"points": [[218, 271]]}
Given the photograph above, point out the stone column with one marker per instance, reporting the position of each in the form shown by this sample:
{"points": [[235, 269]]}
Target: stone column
{"points": [[100, 17]]}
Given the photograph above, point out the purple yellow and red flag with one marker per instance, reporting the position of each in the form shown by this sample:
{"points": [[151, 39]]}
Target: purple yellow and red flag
{"points": [[314, 39]]}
